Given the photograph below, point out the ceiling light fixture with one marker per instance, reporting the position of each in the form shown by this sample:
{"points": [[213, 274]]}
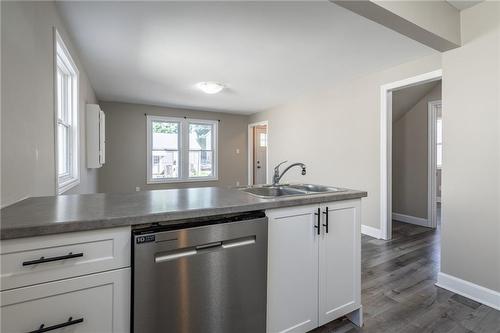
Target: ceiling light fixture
{"points": [[210, 87]]}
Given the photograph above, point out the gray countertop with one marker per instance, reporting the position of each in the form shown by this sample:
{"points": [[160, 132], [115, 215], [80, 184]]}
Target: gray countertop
{"points": [[58, 214]]}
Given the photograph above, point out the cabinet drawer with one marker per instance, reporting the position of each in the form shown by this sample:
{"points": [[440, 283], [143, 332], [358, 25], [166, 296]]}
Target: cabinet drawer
{"points": [[92, 303], [28, 261]]}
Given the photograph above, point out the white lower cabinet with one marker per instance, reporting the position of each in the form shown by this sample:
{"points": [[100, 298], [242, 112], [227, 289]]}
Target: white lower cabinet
{"points": [[339, 261], [76, 282], [292, 282], [94, 303], [313, 271]]}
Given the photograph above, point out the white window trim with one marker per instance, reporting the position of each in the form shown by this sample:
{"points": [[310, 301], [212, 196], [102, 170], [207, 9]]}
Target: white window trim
{"points": [[70, 182], [183, 150]]}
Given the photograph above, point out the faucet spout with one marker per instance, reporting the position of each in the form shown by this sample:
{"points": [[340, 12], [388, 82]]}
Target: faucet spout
{"points": [[277, 176]]}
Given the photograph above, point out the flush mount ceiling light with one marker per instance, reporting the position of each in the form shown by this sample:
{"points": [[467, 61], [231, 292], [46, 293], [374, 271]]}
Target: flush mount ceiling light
{"points": [[210, 87]]}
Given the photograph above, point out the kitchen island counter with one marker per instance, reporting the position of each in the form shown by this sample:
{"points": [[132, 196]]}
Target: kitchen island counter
{"points": [[68, 213]]}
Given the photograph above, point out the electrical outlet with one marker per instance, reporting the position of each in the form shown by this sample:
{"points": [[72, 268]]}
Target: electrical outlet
{"points": [[237, 183], [137, 189]]}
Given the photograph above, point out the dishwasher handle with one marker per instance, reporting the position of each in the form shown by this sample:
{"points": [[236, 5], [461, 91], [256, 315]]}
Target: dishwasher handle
{"points": [[173, 255], [208, 247]]}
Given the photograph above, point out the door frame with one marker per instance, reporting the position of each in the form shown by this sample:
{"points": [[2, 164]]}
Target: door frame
{"points": [[386, 144], [250, 150], [432, 166]]}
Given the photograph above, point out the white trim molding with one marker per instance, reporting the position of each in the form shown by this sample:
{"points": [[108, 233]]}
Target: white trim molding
{"points": [[371, 231], [410, 219], [386, 143], [470, 290]]}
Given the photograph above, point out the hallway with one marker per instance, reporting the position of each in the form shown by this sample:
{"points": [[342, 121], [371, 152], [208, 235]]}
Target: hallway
{"points": [[399, 294]]}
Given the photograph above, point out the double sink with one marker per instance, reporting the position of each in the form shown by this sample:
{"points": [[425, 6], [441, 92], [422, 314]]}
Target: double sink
{"points": [[285, 190]]}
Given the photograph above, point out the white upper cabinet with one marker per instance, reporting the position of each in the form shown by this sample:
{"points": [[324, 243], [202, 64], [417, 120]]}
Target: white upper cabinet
{"points": [[95, 136]]}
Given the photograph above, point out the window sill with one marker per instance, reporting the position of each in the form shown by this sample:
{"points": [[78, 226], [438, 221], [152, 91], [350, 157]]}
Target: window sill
{"points": [[174, 181], [67, 185]]}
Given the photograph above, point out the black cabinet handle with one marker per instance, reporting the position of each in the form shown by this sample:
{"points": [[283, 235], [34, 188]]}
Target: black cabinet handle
{"points": [[44, 260], [326, 219], [318, 214], [55, 327]]}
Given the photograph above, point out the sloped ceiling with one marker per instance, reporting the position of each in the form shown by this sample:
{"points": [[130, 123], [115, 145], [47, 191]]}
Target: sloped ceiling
{"points": [[403, 100]]}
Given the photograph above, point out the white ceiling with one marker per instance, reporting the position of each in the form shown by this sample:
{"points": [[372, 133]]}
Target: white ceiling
{"points": [[403, 100], [267, 53], [463, 4]]}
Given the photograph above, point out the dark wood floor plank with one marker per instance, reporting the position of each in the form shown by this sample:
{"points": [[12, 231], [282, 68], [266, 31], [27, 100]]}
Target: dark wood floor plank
{"points": [[399, 293]]}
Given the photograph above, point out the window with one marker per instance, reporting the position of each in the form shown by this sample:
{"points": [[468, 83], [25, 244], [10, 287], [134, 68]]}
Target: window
{"points": [[439, 142], [263, 140], [66, 91], [181, 149]]}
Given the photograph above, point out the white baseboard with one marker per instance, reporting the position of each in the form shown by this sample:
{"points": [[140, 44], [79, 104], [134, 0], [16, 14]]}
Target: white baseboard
{"points": [[371, 231], [410, 219], [470, 290]]}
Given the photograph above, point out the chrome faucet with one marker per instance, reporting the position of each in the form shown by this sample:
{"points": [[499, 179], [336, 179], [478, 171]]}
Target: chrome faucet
{"points": [[277, 176]]}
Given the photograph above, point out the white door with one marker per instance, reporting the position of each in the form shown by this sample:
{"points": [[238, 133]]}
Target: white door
{"points": [[260, 154], [292, 269], [339, 260]]}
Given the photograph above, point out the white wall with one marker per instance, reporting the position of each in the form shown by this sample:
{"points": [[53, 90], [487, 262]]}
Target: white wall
{"points": [[471, 150], [336, 133], [28, 102]]}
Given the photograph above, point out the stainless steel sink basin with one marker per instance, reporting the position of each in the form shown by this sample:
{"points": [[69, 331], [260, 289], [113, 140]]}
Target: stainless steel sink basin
{"points": [[272, 191], [275, 191], [315, 188]]}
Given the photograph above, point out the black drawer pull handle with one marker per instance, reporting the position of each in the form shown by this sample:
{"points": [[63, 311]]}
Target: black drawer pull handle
{"points": [[55, 327], [326, 219], [318, 214], [44, 260]]}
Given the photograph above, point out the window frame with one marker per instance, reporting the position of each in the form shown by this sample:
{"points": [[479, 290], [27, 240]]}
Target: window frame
{"points": [[183, 172], [439, 143], [63, 60]]}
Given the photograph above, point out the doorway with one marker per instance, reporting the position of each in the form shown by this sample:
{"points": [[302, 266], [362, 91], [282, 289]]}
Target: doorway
{"points": [[258, 153], [386, 147]]}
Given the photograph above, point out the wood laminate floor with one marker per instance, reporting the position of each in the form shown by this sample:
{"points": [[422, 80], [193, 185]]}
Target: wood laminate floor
{"points": [[398, 291]]}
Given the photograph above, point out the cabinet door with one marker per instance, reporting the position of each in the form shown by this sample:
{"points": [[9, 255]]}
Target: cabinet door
{"points": [[292, 287], [89, 304], [339, 260]]}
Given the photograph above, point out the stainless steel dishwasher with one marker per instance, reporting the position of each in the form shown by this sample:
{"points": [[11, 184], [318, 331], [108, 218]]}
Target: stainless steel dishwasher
{"points": [[207, 276]]}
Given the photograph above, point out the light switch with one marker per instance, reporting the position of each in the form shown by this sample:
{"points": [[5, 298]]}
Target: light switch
{"points": [[237, 150]]}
